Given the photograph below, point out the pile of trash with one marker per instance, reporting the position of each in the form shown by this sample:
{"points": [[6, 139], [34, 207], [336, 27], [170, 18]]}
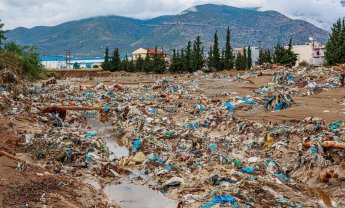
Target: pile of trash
{"points": [[194, 147]]}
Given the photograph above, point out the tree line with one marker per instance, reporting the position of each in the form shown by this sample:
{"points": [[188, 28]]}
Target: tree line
{"points": [[150, 63], [192, 58], [281, 55]]}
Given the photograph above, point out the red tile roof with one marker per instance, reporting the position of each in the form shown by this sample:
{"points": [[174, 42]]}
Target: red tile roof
{"points": [[153, 51]]}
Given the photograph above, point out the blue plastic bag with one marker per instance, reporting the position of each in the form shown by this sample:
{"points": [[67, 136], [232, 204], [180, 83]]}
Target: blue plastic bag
{"points": [[250, 102], [278, 107], [283, 177], [90, 134], [136, 144], [223, 199], [106, 109], [248, 170], [313, 149], [213, 147], [230, 106], [201, 108]]}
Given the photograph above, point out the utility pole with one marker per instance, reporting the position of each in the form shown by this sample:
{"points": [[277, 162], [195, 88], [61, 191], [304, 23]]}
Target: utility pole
{"points": [[68, 58]]}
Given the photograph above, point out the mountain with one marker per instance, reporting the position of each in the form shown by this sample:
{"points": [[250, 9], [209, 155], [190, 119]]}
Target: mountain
{"points": [[89, 37]]}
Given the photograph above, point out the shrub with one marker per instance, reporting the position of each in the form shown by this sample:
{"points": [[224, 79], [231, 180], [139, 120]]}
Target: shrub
{"points": [[304, 64]]}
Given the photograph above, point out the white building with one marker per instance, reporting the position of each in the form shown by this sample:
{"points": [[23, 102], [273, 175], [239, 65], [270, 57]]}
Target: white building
{"points": [[141, 52], [313, 53], [59, 62]]}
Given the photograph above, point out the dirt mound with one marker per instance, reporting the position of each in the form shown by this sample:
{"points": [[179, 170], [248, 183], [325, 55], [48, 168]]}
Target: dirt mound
{"points": [[10, 69]]}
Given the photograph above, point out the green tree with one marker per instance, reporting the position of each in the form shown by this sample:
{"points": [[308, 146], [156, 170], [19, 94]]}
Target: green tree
{"points": [[115, 60], [216, 54], [174, 62], [264, 57], [28, 58], [245, 57], [12, 47], [278, 55], [106, 65], [229, 57], [139, 64], [335, 47], [2, 34], [240, 62], [210, 61], [147, 63], [284, 56], [131, 66], [198, 55], [181, 61], [188, 58], [124, 66], [249, 58], [158, 62]]}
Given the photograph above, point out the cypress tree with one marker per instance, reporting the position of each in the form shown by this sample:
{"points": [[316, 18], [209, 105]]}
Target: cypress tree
{"points": [[278, 54], [261, 59], [147, 63], [173, 65], [264, 57], [139, 64], [124, 66], [131, 66], [215, 53], [268, 57], [198, 55], [210, 61], [182, 61], [284, 56], [229, 57], [290, 56], [115, 60], [106, 64], [249, 58], [245, 59], [2, 34], [188, 58], [240, 62], [335, 47], [158, 64], [179, 61]]}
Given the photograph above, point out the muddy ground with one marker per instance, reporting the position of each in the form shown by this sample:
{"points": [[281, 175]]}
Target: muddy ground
{"points": [[25, 181]]}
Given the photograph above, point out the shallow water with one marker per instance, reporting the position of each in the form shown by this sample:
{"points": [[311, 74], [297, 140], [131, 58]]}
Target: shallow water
{"points": [[126, 194], [116, 151], [129, 195], [93, 182]]}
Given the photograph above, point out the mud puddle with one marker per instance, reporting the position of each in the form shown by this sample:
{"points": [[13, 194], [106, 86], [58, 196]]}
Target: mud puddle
{"points": [[124, 192], [116, 151], [130, 195]]}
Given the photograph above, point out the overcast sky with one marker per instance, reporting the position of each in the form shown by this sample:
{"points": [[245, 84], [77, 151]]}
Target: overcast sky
{"points": [[30, 13]]}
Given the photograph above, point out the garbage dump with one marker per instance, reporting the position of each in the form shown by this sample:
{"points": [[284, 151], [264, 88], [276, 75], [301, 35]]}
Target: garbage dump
{"points": [[190, 142]]}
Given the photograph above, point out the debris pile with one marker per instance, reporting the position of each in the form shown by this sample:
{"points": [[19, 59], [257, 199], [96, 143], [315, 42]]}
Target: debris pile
{"points": [[195, 147]]}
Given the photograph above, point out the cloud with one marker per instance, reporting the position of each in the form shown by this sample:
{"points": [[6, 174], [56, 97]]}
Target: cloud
{"points": [[322, 13], [15, 13]]}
